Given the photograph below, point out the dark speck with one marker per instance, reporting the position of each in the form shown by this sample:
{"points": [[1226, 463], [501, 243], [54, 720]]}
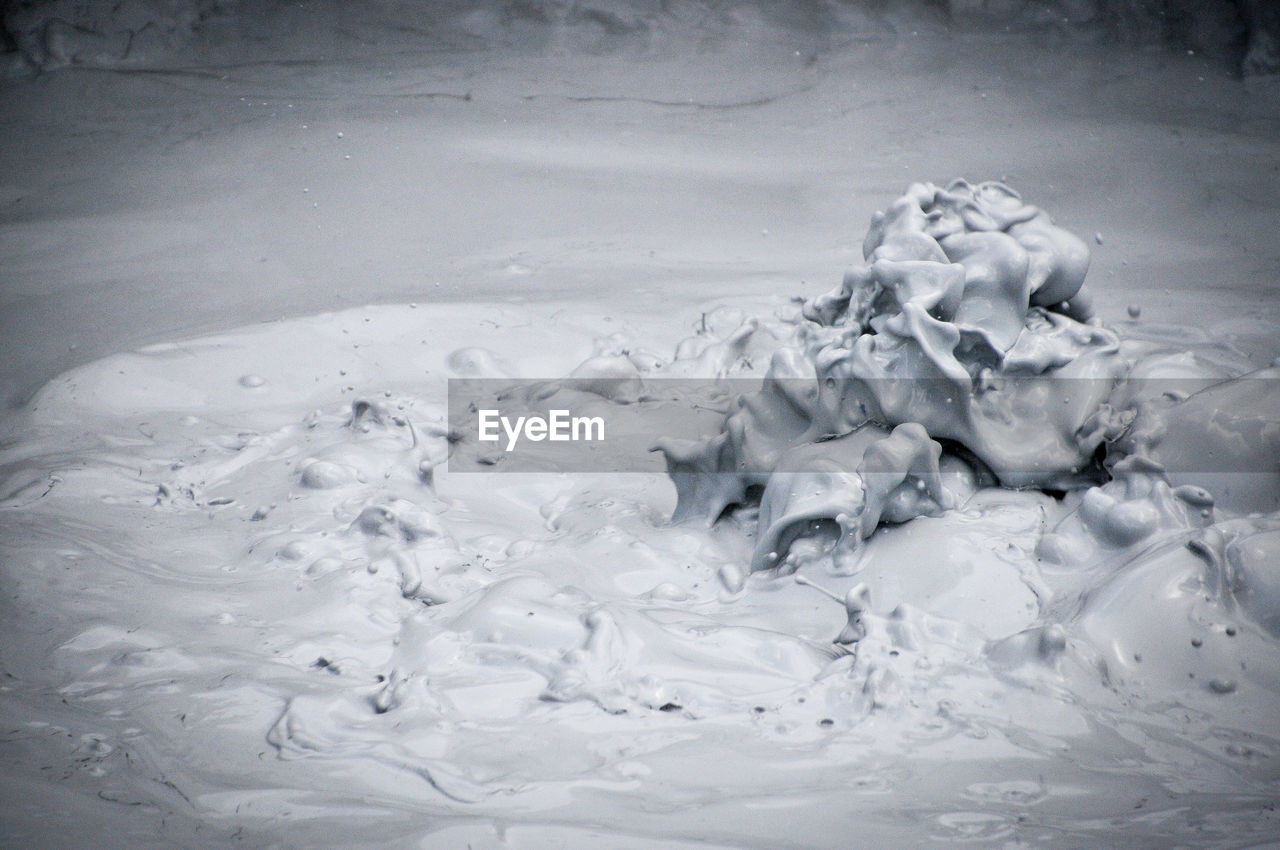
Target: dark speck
{"points": [[323, 663]]}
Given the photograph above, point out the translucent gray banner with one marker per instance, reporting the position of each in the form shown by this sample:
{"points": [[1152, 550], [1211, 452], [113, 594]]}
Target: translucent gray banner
{"points": [[611, 425]]}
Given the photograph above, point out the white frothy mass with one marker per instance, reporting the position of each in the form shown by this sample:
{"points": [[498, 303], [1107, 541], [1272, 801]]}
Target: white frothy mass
{"points": [[276, 613]]}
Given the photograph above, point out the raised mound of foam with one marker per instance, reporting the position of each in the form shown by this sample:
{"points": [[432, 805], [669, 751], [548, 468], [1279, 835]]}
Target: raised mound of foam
{"points": [[965, 343]]}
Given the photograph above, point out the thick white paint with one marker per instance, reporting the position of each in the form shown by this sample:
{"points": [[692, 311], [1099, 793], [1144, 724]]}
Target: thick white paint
{"points": [[237, 605]]}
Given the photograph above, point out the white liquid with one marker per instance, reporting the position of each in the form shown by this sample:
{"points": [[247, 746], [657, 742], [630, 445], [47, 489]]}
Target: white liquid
{"points": [[263, 619], [229, 615]]}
